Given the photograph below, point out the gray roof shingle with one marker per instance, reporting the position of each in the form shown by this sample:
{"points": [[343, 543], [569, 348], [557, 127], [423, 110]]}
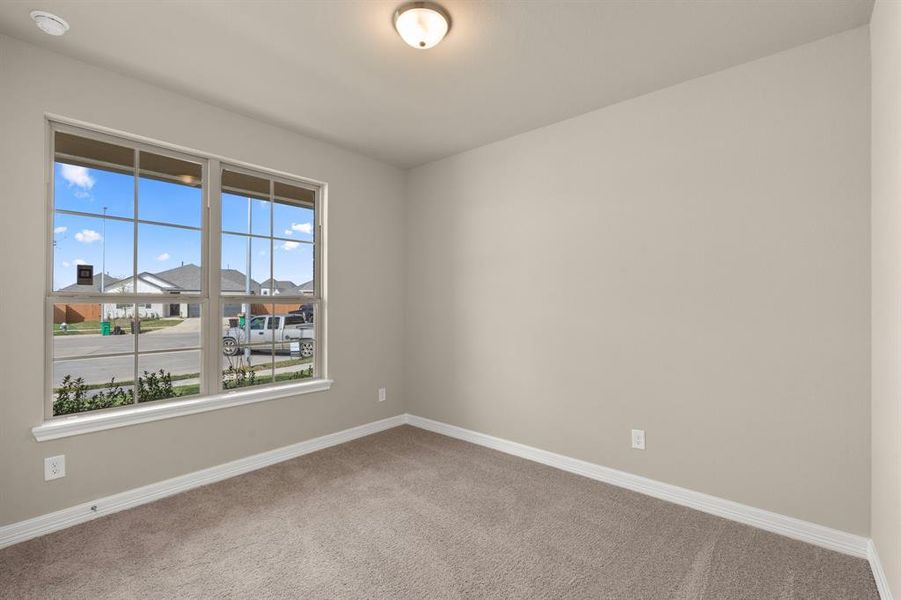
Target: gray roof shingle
{"points": [[110, 280]]}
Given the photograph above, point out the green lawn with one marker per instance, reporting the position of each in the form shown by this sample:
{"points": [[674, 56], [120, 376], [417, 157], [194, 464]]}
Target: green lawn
{"points": [[93, 327], [194, 388]]}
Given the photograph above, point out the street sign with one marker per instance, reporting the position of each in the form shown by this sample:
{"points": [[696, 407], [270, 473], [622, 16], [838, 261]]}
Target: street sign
{"points": [[85, 274]]}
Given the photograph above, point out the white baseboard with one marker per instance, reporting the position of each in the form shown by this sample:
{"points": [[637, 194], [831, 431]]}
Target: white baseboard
{"points": [[825, 537], [878, 573], [804, 531], [31, 528]]}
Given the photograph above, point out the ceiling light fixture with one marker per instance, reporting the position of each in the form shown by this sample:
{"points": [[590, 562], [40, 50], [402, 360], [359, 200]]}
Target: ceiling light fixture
{"points": [[422, 24], [49, 23]]}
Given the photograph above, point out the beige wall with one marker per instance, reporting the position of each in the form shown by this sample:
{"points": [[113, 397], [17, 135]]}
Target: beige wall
{"points": [[365, 278], [885, 523], [694, 262]]}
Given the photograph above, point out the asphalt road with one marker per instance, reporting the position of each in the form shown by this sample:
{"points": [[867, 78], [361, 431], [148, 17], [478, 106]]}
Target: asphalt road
{"points": [[83, 346], [100, 370]]}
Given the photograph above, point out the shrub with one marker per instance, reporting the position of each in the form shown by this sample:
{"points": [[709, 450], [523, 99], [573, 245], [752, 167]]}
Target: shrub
{"points": [[239, 376], [73, 396], [155, 386]]}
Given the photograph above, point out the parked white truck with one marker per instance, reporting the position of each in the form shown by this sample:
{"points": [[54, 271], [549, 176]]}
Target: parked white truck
{"points": [[291, 333]]}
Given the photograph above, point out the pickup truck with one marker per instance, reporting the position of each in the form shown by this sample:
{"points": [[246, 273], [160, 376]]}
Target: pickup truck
{"points": [[291, 333]]}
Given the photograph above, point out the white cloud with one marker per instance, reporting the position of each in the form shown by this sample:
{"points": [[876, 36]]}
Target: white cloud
{"points": [[77, 176], [67, 263], [164, 256], [87, 236], [289, 232], [290, 245], [306, 228], [60, 229], [80, 261]]}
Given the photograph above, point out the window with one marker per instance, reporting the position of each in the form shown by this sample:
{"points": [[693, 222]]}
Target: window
{"points": [[146, 328], [268, 228]]}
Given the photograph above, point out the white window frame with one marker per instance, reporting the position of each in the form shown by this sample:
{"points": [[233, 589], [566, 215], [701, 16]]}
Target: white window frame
{"points": [[211, 396]]}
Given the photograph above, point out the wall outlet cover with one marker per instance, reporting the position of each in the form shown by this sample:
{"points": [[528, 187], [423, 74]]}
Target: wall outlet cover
{"points": [[54, 467], [383, 393], [638, 439]]}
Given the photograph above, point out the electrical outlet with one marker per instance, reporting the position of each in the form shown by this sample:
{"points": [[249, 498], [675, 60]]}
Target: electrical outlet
{"points": [[54, 467], [383, 393], [638, 439]]}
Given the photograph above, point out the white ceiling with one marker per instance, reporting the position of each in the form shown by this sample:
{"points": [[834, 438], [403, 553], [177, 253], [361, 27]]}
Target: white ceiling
{"points": [[336, 70]]}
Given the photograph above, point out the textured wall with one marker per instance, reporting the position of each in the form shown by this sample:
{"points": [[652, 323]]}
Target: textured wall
{"points": [[885, 43], [693, 262], [365, 279]]}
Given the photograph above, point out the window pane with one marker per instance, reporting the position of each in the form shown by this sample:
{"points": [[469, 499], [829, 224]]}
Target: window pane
{"points": [[242, 214], [296, 352], [86, 384], [169, 326], [245, 203], [253, 366], [294, 216], [79, 331], [94, 177], [169, 190], [293, 268], [93, 241], [168, 375], [168, 260], [247, 345], [245, 185], [240, 255]]}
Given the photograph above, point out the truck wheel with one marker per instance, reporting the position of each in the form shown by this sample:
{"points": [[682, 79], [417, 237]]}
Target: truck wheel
{"points": [[229, 346], [306, 349]]}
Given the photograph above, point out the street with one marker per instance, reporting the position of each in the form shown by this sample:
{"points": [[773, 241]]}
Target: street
{"points": [[100, 370]]}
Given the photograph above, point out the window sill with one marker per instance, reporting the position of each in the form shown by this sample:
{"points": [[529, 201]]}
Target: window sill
{"points": [[61, 427]]}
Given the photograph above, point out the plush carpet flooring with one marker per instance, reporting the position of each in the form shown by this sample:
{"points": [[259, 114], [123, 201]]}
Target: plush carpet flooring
{"points": [[410, 514]]}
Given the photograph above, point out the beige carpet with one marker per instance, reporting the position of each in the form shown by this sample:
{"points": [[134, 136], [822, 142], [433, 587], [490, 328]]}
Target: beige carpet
{"points": [[411, 514]]}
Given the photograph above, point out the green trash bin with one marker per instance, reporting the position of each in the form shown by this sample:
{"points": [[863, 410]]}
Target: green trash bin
{"points": [[104, 328]]}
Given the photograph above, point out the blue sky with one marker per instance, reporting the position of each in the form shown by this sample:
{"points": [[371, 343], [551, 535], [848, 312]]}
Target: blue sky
{"points": [[81, 239]]}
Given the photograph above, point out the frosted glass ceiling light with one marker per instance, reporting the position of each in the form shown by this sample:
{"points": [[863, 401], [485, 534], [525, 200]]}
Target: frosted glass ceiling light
{"points": [[421, 24], [49, 23]]}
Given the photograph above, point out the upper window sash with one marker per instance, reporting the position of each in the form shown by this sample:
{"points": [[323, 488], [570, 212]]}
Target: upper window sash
{"points": [[300, 236], [109, 156]]}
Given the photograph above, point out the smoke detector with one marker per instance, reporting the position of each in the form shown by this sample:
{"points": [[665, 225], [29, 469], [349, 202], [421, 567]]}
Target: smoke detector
{"points": [[49, 23]]}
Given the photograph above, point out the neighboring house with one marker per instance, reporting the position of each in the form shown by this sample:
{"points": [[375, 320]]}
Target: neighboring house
{"points": [[147, 283], [76, 313], [108, 281], [182, 279], [284, 287], [305, 288], [279, 286]]}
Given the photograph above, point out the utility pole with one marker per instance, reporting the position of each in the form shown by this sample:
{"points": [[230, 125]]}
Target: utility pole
{"points": [[103, 265], [103, 252]]}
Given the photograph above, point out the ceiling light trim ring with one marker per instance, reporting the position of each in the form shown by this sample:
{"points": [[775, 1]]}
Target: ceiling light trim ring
{"points": [[433, 6]]}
